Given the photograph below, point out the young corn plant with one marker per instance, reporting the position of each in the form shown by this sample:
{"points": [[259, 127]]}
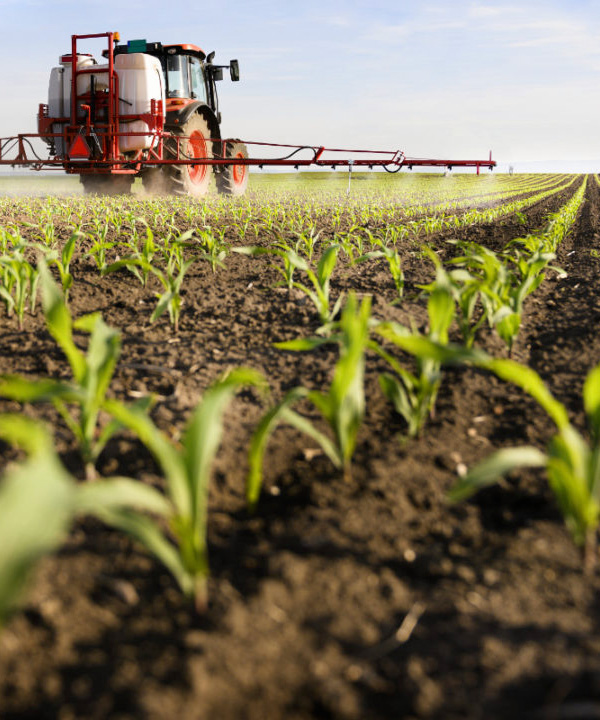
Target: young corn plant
{"points": [[486, 276], [92, 373], [35, 509], [213, 246], [281, 249], [139, 261], [572, 463], [170, 299], [466, 290], [342, 405], [98, 250], [393, 260], [182, 547], [63, 261], [18, 284], [39, 500], [414, 394], [320, 279], [308, 241]]}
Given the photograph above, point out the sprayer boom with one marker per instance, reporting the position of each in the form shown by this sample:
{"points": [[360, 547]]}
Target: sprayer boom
{"points": [[18, 151]]}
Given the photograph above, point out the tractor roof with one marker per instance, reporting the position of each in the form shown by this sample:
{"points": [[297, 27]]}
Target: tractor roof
{"points": [[182, 47], [156, 48]]}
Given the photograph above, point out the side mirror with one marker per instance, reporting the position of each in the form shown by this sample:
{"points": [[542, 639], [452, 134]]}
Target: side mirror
{"points": [[234, 69]]}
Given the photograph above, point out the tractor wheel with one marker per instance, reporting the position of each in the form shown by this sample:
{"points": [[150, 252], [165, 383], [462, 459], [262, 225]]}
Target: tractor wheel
{"points": [[190, 179], [233, 179], [106, 184]]}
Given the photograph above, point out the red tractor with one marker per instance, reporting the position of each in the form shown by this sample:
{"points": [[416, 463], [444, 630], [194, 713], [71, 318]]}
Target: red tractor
{"points": [[147, 111]]}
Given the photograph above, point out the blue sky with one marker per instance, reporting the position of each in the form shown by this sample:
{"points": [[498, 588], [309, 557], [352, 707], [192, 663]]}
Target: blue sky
{"points": [[446, 79]]}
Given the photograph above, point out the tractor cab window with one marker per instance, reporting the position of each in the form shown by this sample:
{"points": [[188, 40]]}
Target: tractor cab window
{"points": [[177, 77], [197, 78]]}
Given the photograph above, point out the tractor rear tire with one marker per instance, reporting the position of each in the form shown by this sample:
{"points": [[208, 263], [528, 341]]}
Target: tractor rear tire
{"points": [[233, 179], [190, 179], [106, 184]]}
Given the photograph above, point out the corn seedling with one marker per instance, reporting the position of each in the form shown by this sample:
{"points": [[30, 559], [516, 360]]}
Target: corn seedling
{"points": [[92, 373], [214, 247], [170, 299], [394, 263], [39, 500], [572, 464], [138, 262], [183, 547], [100, 246], [320, 279], [18, 283], [414, 394], [63, 261], [342, 406]]}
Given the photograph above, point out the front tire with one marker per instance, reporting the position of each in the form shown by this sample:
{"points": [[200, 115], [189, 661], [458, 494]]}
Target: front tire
{"points": [[190, 179], [233, 179]]}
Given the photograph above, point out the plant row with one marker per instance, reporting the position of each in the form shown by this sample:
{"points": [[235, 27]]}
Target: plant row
{"points": [[172, 524]]}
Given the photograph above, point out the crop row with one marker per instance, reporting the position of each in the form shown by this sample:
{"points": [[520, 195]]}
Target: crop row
{"points": [[264, 208], [147, 247], [475, 287]]}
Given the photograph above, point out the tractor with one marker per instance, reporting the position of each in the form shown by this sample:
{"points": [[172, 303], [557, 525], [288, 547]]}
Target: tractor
{"points": [[146, 111]]}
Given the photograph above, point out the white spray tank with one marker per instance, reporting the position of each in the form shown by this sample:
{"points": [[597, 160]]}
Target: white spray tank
{"points": [[59, 93], [141, 80]]}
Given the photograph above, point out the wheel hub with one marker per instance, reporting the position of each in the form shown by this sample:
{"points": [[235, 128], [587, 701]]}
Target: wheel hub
{"points": [[197, 148]]}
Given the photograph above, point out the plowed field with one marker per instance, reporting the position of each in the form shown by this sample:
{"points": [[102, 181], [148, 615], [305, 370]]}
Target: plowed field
{"points": [[373, 598]]}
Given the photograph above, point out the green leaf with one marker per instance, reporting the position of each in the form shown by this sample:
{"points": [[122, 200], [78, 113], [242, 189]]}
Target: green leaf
{"points": [[259, 441], [172, 464], [102, 355], [36, 508], [254, 250], [440, 307], [402, 395], [527, 379], [87, 322], [120, 492], [21, 389], [203, 437], [25, 433], [302, 344], [591, 400], [127, 262], [69, 248], [303, 425], [162, 305], [149, 534], [494, 467], [297, 261], [58, 320], [327, 263], [508, 327], [571, 477]]}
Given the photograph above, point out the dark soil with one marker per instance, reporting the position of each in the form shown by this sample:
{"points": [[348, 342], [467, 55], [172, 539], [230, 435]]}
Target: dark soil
{"points": [[370, 598]]}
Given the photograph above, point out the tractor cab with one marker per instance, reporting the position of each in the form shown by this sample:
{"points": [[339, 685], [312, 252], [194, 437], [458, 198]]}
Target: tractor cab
{"points": [[193, 120], [189, 74], [185, 77]]}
